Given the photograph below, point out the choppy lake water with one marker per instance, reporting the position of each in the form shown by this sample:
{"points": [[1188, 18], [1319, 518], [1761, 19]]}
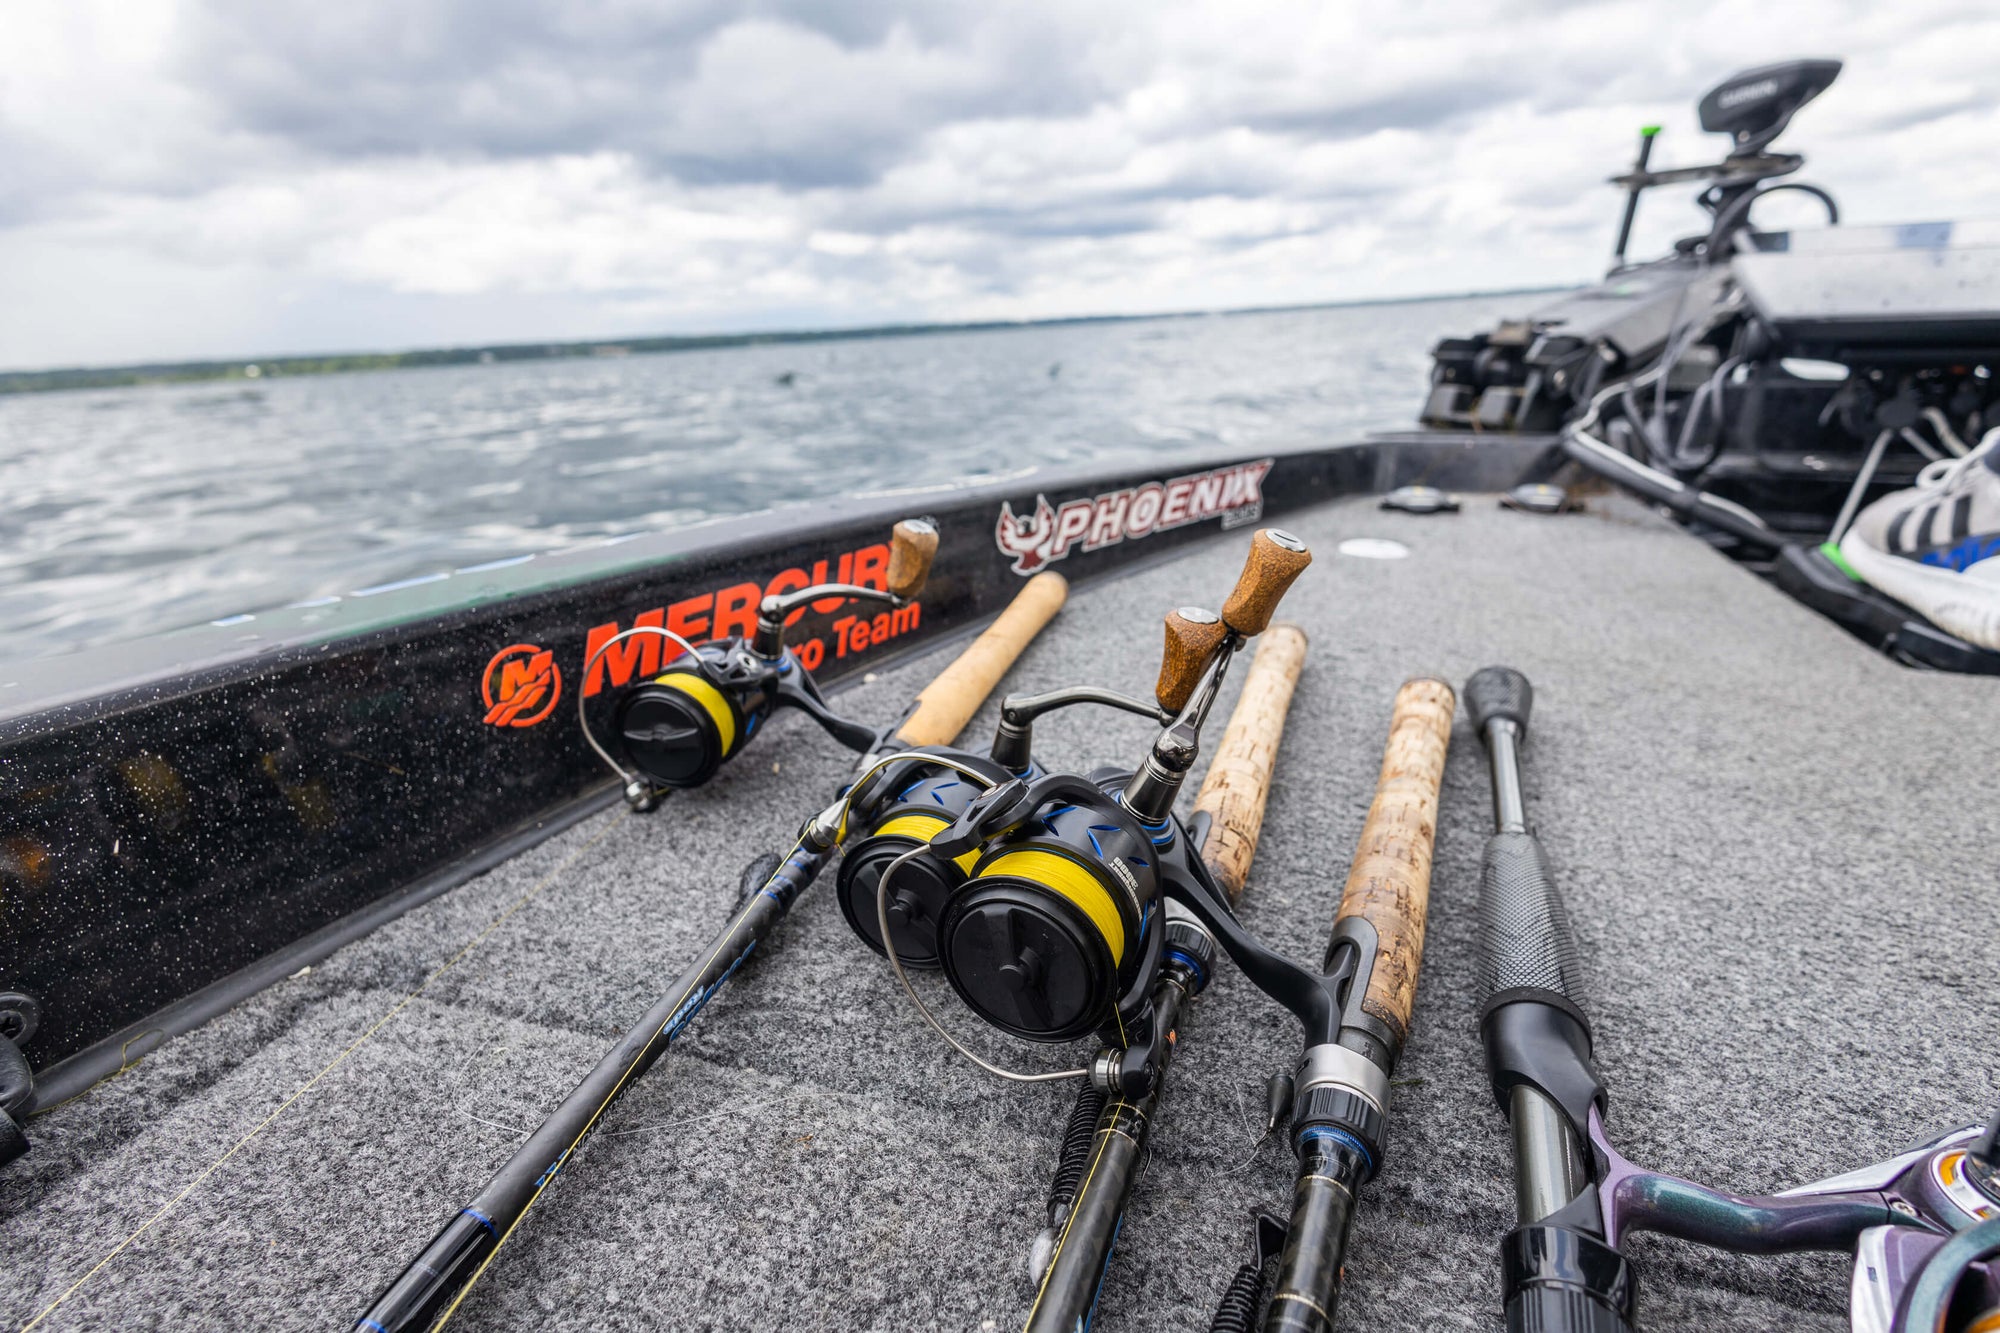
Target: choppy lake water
{"points": [[127, 511]]}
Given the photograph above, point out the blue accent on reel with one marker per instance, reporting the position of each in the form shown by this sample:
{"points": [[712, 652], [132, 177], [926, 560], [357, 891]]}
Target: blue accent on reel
{"points": [[1192, 964], [1313, 1133]]}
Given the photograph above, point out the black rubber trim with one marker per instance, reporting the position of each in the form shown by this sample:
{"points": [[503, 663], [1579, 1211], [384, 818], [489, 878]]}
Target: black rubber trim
{"points": [[1536, 1043], [12, 1141], [1536, 995], [1559, 1280]]}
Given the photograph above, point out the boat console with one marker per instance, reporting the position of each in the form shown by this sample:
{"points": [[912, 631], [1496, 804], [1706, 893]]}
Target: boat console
{"points": [[1763, 385]]}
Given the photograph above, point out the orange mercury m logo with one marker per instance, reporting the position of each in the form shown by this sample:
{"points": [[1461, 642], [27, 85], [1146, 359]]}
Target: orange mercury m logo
{"points": [[521, 686]]}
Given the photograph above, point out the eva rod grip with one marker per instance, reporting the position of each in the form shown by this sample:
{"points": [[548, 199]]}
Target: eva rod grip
{"points": [[1239, 777], [1502, 692], [949, 701], [1276, 559], [912, 543], [1193, 635], [1525, 941], [1389, 880]]}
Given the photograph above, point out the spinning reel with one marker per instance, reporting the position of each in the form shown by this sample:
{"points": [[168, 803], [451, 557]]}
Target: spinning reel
{"points": [[676, 730], [1055, 903]]}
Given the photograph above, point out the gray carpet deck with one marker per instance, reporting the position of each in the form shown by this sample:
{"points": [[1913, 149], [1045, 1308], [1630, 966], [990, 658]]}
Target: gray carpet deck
{"points": [[1776, 846]]}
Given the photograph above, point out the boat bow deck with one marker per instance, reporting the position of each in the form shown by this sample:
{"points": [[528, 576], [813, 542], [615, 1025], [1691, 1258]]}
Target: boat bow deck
{"points": [[1776, 845]]}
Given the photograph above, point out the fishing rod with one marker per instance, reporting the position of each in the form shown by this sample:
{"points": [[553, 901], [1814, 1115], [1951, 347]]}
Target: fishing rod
{"points": [[1338, 1097], [1105, 1135], [1923, 1226], [429, 1289]]}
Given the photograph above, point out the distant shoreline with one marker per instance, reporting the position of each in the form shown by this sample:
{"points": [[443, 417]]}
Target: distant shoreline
{"points": [[344, 363]]}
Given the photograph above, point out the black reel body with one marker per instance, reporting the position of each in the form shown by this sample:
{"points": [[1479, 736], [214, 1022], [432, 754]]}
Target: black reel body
{"points": [[1051, 930], [918, 801], [683, 725], [680, 727]]}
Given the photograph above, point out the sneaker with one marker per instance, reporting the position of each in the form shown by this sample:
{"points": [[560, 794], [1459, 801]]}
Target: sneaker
{"points": [[1936, 546]]}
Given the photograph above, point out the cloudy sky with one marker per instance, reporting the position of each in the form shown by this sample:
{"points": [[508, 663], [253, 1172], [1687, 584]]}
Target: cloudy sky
{"points": [[183, 178]]}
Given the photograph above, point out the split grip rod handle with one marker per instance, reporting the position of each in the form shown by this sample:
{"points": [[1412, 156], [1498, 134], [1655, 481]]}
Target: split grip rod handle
{"points": [[912, 545], [1554, 1277], [1238, 784], [1389, 879], [949, 701], [1526, 947], [1276, 559]]}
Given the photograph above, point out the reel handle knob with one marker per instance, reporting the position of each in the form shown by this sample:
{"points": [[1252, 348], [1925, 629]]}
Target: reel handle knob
{"points": [[911, 546], [1193, 635], [1276, 559]]}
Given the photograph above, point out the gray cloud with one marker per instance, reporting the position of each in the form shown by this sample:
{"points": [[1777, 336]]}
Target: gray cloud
{"points": [[709, 93], [214, 176]]}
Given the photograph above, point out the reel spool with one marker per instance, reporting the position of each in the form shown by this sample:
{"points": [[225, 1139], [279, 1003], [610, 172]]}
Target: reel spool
{"points": [[683, 725], [928, 799], [1050, 930]]}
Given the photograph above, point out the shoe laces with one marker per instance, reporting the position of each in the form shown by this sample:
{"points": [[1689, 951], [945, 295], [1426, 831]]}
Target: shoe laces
{"points": [[1944, 475]]}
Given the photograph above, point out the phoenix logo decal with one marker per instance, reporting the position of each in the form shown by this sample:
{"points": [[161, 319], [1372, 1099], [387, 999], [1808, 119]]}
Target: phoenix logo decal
{"points": [[1235, 494], [1026, 540]]}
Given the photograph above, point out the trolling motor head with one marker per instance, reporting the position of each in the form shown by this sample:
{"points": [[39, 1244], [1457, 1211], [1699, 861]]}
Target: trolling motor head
{"points": [[1754, 107], [677, 729], [1055, 926]]}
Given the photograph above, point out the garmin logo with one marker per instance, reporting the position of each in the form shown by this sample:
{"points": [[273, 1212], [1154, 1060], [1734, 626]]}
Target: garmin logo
{"points": [[1748, 92]]}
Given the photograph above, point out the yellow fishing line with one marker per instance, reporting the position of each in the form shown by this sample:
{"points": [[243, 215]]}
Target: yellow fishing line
{"points": [[333, 1064], [126, 1064]]}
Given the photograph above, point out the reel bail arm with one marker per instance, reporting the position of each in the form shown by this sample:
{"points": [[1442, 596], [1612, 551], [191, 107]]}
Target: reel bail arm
{"points": [[1014, 741]]}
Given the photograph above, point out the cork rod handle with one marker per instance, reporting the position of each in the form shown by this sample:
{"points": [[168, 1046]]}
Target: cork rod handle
{"points": [[948, 702], [1389, 880], [1239, 777], [911, 546]]}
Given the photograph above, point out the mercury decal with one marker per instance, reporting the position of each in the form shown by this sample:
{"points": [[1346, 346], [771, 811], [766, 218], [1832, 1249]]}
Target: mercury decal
{"points": [[722, 612], [520, 686], [1235, 494]]}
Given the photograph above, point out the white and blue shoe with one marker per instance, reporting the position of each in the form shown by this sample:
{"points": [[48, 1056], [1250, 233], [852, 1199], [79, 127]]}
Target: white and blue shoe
{"points": [[1936, 546]]}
